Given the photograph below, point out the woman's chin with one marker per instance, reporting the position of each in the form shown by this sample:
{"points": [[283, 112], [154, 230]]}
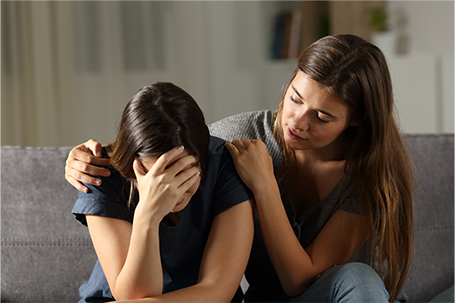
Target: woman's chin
{"points": [[180, 206]]}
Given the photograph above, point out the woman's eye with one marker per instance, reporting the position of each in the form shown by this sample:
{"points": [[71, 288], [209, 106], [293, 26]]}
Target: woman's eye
{"points": [[322, 119], [293, 99]]}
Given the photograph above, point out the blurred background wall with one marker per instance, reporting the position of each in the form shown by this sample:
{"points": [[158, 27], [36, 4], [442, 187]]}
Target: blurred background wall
{"points": [[69, 67]]}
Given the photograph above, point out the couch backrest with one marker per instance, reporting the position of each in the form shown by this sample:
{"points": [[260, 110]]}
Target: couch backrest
{"points": [[433, 197], [46, 254]]}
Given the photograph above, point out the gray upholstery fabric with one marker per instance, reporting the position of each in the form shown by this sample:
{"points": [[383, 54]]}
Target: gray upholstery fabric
{"points": [[46, 254], [433, 198]]}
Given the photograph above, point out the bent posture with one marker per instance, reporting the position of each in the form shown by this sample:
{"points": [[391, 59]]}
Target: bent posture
{"points": [[174, 221], [331, 178]]}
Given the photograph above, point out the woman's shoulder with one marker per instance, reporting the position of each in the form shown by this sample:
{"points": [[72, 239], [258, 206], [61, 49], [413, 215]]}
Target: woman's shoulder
{"points": [[114, 185], [221, 187], [218, 154], [115, 176], [253, 125], [110, 199]]}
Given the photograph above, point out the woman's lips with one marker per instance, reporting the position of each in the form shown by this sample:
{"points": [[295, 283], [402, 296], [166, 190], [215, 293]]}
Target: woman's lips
{"points": [[180, 202], [293, 135]]}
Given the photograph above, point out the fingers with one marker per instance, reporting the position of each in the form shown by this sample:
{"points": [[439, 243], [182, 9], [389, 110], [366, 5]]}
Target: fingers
{"points": [[94, 146], [166, 185], [173, 165], [75, 177], [97, 161], [82, 162], [187, 163], [237, 145], [177, 172], [165, 159], [76, 184], [138, 169], [89, 154], [83, 158], [83, 168], [180, 171], [232, 149], [245, 142], [81, 176], [186, 178]]}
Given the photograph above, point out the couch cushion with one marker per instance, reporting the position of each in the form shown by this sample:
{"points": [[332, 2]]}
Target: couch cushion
{"points": [[433, 196], [46, 254]]}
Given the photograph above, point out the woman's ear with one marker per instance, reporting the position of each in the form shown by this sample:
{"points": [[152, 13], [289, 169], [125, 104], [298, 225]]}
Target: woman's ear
{"points": [[138, 168], [354, 123]]}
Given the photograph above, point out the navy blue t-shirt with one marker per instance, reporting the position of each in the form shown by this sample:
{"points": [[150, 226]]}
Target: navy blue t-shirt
{"points": [[181, 246]]}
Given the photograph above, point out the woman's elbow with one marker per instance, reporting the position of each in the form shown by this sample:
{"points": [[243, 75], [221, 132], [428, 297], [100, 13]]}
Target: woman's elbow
{"points": [[292, 292], [296, 289], [131, 294]]}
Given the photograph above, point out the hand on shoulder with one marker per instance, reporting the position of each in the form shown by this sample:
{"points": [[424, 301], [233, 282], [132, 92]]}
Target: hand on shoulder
{"points": [[83, 162], [252, 162]]}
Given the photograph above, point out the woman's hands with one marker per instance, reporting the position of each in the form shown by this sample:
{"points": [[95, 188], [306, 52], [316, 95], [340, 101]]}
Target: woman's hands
{"points": [[295, 266], [164, 185], [252, 162], [84, 160], [129, 253]]}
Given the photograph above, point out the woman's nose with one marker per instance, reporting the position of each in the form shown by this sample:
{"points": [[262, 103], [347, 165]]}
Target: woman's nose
{"points": [[301, 120]]}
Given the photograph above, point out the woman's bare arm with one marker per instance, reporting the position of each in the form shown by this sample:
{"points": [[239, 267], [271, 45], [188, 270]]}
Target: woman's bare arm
{"points": [[129, 253], [224, 261], [222, 267], [296, 267]]}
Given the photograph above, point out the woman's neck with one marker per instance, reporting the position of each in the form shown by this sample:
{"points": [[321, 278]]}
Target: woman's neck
{"points": [[172, 219], [308, 158], [311, 178]]}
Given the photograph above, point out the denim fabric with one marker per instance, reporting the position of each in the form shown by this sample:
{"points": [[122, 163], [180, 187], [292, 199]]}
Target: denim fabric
{"points": [[351, 282]]}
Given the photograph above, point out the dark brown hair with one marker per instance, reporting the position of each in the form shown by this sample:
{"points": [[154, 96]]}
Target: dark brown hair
{"points": [[377, 161], [158, 118]]}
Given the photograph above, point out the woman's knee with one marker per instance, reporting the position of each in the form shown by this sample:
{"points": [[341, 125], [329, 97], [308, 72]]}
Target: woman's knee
{"points": [[351, 282], [358, 274], [354, 281]]}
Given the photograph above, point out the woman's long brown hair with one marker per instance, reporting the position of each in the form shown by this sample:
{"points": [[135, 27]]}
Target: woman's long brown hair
{"points": [[158, 118], [377, 161]]}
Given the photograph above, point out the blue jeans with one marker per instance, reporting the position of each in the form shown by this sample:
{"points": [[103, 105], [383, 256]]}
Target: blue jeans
{"points": [[351, 282]]}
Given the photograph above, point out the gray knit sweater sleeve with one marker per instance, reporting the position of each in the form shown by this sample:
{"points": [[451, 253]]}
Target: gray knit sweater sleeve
{"points": [[252, 125]]}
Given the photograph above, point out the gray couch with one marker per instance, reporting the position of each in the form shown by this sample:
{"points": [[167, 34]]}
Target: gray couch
{"points": [[46, 255]]}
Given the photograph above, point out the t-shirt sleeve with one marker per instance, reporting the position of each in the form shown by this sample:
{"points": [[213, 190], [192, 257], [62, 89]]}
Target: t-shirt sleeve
{"points": [[350, 201], [350, 205], [229, 188], [108, 200]]}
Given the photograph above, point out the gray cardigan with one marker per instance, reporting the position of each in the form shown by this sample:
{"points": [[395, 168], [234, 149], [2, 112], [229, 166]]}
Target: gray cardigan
{"points": [[263, 280], [46, 254]]}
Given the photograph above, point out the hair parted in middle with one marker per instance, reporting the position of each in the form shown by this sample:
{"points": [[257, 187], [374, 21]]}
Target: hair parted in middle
{"points": [[377, 161], [158, 118]]}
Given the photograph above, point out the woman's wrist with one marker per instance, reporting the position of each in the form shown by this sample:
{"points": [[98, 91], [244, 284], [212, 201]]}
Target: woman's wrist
{"points": [[265, 190], [148, 218]]}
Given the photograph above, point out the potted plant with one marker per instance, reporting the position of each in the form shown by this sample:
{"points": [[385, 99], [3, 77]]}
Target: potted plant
{"points": [[381, 36], [378, 19]]}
